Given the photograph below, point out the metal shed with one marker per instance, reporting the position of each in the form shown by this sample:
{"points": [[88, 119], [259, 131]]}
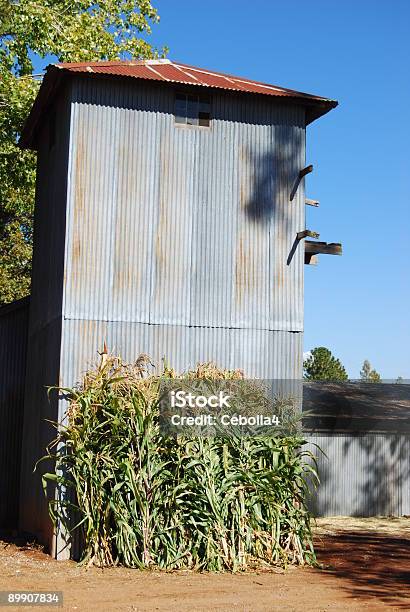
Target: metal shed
{"points": [[170, 217]]}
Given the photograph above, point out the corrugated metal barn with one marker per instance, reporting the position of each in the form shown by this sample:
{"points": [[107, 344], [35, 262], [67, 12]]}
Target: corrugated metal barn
{"points": [[169, 202], [170, 220]]}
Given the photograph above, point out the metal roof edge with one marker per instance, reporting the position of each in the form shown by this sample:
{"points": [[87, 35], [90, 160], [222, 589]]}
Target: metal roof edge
{"points": [[317, 110], [48, 88], [296, 92], [316, 106]]}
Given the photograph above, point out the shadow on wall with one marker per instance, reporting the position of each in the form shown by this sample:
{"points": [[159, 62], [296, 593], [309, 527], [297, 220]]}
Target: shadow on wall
{"points": [[362, 475], [260, 206], [272, 182], [387, 477]]}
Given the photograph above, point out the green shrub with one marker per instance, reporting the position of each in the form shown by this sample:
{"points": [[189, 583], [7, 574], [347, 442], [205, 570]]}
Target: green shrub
{"points": [[146, 500]]}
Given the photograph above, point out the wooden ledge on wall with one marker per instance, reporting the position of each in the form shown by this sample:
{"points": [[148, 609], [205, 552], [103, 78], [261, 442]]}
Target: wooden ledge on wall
{"points": [[313, 248], [310, 202]]}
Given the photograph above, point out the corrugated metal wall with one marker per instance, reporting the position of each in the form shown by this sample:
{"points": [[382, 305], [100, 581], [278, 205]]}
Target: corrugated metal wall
{"points": [[362, 475], [180, 225], [179, 237], [179, 345], [13, 353], [45, 317]]}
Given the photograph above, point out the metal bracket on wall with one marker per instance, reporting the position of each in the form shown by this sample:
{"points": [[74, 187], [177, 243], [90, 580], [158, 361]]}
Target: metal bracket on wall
{"points": [[300, 176], [307, 234], [310, 202]]}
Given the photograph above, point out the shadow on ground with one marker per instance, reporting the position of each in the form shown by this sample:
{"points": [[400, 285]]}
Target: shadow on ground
{"points": [[22, 540], [375, 565]]}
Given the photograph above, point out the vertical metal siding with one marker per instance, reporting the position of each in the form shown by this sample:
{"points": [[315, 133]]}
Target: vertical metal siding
{"points": [[44, 338], [13, 354], [179, 225], [362, 475], [258, 352]]}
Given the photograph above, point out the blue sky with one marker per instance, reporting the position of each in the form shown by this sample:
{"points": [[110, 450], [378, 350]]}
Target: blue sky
{"points": [[357, 52]]}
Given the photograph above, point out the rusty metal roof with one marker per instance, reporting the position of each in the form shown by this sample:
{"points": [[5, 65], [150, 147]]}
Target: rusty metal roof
{"points": [[175, 72], [167, 71]]}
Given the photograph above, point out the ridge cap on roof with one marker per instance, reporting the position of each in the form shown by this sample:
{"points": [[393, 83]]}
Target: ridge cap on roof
{"points": [[131, 62]]}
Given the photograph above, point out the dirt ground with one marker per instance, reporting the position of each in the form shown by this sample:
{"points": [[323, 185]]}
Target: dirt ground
{"points": [[365, 566]]}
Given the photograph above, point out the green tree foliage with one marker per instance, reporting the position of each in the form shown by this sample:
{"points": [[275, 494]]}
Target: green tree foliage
{"points": [[367, 374], [321, 365], [71, 31]]}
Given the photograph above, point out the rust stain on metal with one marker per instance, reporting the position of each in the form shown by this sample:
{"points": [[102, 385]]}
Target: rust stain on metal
{"points": [[280, 260], [239, 268], [159, 242], [79, 203], [245, 270], [246, 265], [161, 238], [279, 277], [242, 187], [127, 269]]}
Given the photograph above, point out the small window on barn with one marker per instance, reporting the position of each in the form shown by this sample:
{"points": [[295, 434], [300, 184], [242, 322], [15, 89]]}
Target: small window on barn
{"points": [[192, 109]]}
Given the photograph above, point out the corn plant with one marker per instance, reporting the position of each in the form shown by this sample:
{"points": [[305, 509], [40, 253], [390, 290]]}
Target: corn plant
{"points": [[143, 499]]}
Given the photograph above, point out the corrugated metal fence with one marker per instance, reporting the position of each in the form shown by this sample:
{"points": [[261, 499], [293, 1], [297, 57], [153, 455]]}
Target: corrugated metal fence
{"points": [[363, 431], [362, 475], [13, 352]]}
